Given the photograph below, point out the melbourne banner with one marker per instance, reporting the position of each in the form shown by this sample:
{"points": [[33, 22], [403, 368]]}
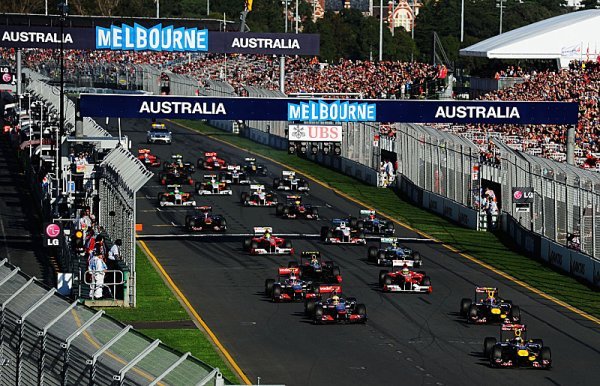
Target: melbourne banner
{"points": [[311, 111], [158, 37]]}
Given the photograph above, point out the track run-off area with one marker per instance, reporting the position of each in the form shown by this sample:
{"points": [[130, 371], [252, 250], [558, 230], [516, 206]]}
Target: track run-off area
{"points": [[408, 339]]}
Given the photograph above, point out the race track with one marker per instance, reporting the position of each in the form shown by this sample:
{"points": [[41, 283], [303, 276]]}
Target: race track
{"points": [[409, 339]]}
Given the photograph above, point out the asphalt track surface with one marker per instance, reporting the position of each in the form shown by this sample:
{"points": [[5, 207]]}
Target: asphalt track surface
{"points": [[408, 339]]}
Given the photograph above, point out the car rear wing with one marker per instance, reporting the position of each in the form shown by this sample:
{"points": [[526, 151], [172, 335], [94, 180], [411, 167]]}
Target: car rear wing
{"points": [[485, 289], [257, 187], [144, 151], [174, 186], [210, 154], [288, 173], [250, 159], [293, 197], [513, 327], [388, 240], [262, 230], [289, 271], [210, 176], [329, 289], [176, 156], [233, 167], [339, 222], [367, 212], [204, 208], [310, 253]]}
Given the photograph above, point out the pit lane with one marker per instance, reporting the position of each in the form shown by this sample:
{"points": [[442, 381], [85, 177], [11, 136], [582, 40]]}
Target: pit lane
{"points": [[408, 338]]}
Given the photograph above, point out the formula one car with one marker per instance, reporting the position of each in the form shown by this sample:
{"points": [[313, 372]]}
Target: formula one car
{"points": [[203, 220], [337, 309], [178, 164], [391, 253], [288, 181], [341, 233], [405, 280], [148, 158], [314, 269], [258, 197], [289, 287], [264, 243], [159, 133], [488, 308], [175, 177], [175, 197], [294, 208], [234, 176], [211, 161], [212, 186], [516, 350], [252, 168], [373, 225]]}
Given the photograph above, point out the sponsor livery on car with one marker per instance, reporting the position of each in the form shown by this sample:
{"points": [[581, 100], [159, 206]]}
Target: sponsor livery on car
{"points": [[405, 280], [175, 197], [234, 176], [211, 186], [252, 168], [295, 208], [288, 181], [373, 225], [336, 309], [258, 197], [392, 253], [212, 161], [341, 233], [203, 220], [158, 133], [515, 350], [290, 286], [264, 243], [487, 307], [147, 158]]}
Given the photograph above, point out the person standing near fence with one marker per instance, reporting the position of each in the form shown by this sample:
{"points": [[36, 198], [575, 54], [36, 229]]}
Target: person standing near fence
{"points": [[97, 267]]}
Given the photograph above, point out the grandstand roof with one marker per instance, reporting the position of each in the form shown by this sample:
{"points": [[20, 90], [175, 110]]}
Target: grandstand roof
{"points": [[567, 37]]}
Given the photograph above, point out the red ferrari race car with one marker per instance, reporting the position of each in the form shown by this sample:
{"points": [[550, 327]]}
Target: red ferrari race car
{"points": [[203, 220], [264, 243], [148, 158], [516, 350], [211, 161], [258, 197], [175, 197], [405, 280]]}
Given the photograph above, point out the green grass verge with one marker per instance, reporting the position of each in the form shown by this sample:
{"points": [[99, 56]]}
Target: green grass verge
{"points": [[156, 302], [485, 246]]}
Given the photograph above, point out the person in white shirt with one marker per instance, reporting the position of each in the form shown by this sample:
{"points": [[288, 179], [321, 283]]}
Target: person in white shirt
{"points": [[115, 251], [97, 267]]}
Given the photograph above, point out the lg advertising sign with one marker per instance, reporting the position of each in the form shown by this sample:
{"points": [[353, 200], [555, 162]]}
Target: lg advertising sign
{"points": [[158, 37], [522, 195], [6, 77], [315, 133], [52, 235]]}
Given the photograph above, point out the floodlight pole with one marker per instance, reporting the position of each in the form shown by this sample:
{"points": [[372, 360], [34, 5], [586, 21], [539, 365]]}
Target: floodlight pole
{"points": [[64, 10], [571, 144], [462, 20], [381, 30]]}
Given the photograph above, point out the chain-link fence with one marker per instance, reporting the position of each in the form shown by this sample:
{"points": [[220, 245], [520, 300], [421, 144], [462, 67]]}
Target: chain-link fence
{"points": [[566, 206], [45, 340]]}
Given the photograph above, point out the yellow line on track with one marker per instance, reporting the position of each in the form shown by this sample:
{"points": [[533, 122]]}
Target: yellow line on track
{"points": [[447, 246], [187, 303]]}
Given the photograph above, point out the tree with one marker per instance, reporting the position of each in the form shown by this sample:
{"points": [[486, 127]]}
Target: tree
{"points": [[590, 4]]}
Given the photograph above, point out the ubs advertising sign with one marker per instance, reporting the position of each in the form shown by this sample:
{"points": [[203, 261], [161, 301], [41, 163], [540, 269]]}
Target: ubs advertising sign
{"points": [[315, 133], [324, 111], [158, 37]]}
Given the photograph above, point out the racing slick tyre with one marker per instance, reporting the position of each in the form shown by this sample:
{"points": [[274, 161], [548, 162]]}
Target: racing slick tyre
{"points": [[381, 255], [352, 222], [305, 185], [292, 264], [309, 306], [328, 236], [335, 271], [279, 209], [247, 244], [286, 211], [472, 315], [162, 200], [360, 224], [387, 280], [324, 231], [465, 304], [417, 258], [546, 355], [315, 213], [372, 254], [361, 310], [223, 225], [515, 314], [318, 314], [188, 221], [287, 244], [269, 286], [253, 244], [382, 275], [426, 281], [361, 234], [488, 345], [537, 341], [276, 292], [244, 197], [276, 182], [496, 354], [389, 228]]}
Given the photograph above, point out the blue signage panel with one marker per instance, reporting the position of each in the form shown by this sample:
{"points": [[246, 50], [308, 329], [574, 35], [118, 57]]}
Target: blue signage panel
{"points": [[330, 110], [159, 37]]}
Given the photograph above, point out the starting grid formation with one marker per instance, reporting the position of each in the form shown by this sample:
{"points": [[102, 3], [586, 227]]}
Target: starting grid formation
{"points": [[45, 340]]}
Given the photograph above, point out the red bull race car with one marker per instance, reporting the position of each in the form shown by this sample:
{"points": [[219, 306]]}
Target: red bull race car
{"points": [[515, 350], [147, 158], [258, 197], [175, 197], [264, 243], [212, 161], [405, 280], [340, 233], [203, 220], [337, 309], [211, 186], [294, 208], [487, 307], [252, 168]]}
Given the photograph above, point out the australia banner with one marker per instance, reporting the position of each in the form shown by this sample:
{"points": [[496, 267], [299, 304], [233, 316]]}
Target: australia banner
{"points": [[329, 110], [158, 37]]}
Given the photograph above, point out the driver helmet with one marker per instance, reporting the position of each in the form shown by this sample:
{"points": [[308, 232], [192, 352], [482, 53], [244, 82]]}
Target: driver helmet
{"points": [[313, 259], [293, 277], [336, 300], [267, 235], [490, 296], [297, 202], [176, 189], [372, 216], [518, 337], [405, 270]]}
